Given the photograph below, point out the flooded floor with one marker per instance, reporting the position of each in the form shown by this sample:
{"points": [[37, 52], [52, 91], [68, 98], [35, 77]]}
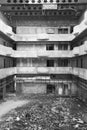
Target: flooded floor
{"points": [[47, 112]]}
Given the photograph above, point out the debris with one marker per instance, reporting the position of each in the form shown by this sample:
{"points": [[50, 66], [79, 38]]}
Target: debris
{"points": [[80, 121], [17, 119], [74, 119], [9, 119], [76, 126], [7, 129], [85, 117], [27, 116], [79, 105], [47, 113]]}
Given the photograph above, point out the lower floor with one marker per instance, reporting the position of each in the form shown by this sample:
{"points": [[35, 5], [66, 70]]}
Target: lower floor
{"points": [[6, 86], [61, 89], [60, 85]]}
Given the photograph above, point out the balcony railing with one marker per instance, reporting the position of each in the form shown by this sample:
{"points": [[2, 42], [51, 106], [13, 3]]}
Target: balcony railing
{"points": [[36, 54], [79, 72], [41, 37], [43, 70], [6, 30], [6, 51], [20, 54], [7, 72], [76, 51], [80, 50]]}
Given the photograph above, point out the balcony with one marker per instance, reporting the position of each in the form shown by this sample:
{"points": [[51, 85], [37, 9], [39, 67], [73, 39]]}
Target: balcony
{"points": [[82, 73], [8, 51], [58, 53], [6, 30], [42, 70], [41, 53], [24, 54], [79, 72], [42, 37], [5, 51], [76, 51], [81, 50], [46, 70], [7, 72]]}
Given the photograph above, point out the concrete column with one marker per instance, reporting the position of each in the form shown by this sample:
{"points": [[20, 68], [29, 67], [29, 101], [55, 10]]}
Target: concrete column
{"points": [[31, 63], [4, 92], [74, 89], [21, 64], [18, 88], [68, 46], [55, 63], [55, 47], [69, 30], [69, 88], [15, 83]]}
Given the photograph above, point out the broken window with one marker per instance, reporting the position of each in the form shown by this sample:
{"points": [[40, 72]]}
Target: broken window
{"points": [[63, 31], [63, 63], [50, 47], [50, 88], [65, 46], [50, 63], [60, 31]]}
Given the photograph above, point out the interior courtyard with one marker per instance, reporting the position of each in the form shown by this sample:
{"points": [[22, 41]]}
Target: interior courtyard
{"points": [[43, 64]]}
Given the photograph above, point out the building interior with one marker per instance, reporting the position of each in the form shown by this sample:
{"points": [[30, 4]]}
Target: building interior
{"points": [[43, 47], [43, 58]]}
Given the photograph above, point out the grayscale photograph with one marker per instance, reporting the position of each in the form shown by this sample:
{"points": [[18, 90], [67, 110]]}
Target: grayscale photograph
{"points": [[43, 65]]}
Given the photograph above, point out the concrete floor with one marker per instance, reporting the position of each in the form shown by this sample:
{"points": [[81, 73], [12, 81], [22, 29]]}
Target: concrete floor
{"points": [[44, 112]]}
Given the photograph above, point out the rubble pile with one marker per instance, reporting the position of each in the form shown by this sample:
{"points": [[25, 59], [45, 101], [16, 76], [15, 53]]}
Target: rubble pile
{"points": [[48, 114]]}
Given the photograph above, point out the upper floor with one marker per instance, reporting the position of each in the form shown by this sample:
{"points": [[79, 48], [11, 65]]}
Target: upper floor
{"points": [[40, 1]]}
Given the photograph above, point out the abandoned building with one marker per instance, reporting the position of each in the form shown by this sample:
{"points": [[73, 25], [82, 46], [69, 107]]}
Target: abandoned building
{"points": [[43, 47]]}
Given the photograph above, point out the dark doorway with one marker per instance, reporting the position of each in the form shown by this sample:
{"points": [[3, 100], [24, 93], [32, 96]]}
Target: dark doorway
{"points": [[50, 63], [50, 88]]}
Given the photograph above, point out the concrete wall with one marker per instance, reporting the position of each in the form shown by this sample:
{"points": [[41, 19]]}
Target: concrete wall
{"points": [[31, 63], [42, 22], [6, 62], [70, 90], [33, 88], [31, 47], [41, 47], [82, 92], [41, 62], [39, 30], [73, 89], [1, 62]]}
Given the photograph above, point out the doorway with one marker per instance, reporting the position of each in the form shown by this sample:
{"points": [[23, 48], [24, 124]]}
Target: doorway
{"points": [[50, 63], [50, 88]]}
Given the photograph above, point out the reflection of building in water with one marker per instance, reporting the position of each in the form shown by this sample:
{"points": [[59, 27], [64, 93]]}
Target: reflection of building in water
{"points": [[43, 47]]}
